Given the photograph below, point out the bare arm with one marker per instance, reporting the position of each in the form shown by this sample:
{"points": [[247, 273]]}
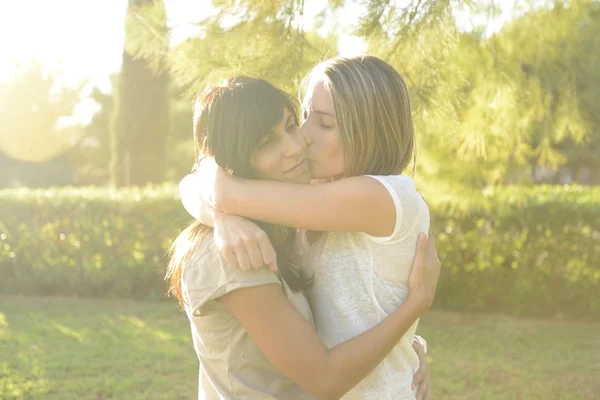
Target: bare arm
{"points": [[296, 350], [195, 206], [241, 242], [356, 204]]}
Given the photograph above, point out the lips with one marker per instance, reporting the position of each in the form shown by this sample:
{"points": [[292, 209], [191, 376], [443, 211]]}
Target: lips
{"points": [[296, 167]]}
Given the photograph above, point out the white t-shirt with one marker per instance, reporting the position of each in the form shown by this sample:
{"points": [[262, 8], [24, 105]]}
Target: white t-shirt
{"points": [[360, 279]]}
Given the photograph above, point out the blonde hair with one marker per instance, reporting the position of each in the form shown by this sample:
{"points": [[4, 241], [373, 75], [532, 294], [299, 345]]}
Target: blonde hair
{"points": [[373, 113]]}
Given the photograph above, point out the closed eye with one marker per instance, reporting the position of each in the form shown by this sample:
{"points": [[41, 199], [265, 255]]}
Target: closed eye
{"points": [[267, 141], [325, 125]]}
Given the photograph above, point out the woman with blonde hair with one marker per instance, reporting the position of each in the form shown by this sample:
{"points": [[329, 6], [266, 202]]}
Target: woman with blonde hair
{"points": [[360, 136], [253, 330]]}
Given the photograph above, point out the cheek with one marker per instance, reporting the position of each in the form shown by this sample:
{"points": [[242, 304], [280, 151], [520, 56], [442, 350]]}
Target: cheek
{"points": [[336, 161], [264, 165], [333, 143]]}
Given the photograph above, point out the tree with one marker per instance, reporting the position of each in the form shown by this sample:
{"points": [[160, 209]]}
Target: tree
{"points": [[37, 128], [488, 109], [524, 100], [140, 124], [34, 115], [90, 158]]}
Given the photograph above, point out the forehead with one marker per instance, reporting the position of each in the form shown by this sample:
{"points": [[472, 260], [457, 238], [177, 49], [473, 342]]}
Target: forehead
{"points": [[317, 98], [284, 119]]}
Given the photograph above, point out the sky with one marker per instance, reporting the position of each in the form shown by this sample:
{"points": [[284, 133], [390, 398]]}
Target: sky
{"points": [[83, 38]]}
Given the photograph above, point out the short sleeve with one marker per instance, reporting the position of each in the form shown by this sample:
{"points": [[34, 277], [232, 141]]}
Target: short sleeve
{"points": [[207, 276], [409, 205]]}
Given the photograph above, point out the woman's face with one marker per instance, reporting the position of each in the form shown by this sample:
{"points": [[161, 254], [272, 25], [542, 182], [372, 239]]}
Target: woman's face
{"points": [[322, 135], [281, 154]]}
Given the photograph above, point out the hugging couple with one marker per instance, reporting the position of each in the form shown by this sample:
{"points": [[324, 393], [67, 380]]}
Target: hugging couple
{"points": [[296, 290]]}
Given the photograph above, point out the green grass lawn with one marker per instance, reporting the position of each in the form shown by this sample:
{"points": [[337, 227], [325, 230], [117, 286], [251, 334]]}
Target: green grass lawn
{"points": [[56, 348]]}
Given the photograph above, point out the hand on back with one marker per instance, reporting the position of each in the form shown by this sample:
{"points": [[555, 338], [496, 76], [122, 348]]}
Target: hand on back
{"points": [[243, 244], [425, 273]]}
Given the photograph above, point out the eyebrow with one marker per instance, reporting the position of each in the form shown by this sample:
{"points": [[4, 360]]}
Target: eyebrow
{"points": [[272, 133], [322, 112]]}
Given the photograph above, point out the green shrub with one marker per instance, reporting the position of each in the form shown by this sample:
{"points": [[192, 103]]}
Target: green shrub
{"points": [[87, 241], [523, 251]]}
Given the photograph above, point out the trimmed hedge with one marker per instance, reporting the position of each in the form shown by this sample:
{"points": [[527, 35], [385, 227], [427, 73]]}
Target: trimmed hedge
{"points": [[87, 241], [522, 251]]}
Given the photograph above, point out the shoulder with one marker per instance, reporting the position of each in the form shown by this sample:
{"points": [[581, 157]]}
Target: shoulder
{"points": [[408, 202], [401, 188], [207, 276], [397, 185]]}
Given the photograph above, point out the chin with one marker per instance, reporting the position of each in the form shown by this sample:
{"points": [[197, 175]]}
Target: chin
{"points": [[302, 178], [316, 174]]}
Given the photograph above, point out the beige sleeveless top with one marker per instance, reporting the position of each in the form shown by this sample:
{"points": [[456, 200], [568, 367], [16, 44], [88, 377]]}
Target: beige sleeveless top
{"points": [[231, 366]]}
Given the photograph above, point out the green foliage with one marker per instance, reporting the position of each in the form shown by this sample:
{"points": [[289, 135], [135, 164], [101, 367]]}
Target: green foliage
{"points": [[87, 242], [33, 111], [518, 104], [91, 157], [260, 38], [516, 250], [520, 100], [520, 250]]}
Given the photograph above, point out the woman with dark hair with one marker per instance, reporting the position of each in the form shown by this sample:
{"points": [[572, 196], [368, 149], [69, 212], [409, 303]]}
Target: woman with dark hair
{"points": [[253, 330]]}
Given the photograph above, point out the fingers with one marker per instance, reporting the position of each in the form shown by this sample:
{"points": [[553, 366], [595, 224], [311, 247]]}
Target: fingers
{"points": [[433, 260], [243, 244], [418, 378], [423, 391], [250, 253], [229, 256], [421, 373], [431, 243], [417, 347], [420, 352], [243, 260], [256, 259], [422, 249], [269, 256]]}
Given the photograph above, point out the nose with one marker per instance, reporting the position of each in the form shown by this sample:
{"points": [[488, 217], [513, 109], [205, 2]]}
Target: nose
{"points": [[294, 145], [305, 131]]}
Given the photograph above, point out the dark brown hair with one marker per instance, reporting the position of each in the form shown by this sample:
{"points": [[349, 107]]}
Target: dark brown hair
{"points": [[229, 122]]}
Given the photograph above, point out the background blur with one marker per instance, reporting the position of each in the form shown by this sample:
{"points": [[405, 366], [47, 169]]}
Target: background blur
{"points": [[95, 131]]}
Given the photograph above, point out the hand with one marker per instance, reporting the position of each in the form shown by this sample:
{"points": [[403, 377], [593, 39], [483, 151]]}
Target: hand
{"points": [[421, 378], [215, 184], [425, 273], [243, 244]]}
